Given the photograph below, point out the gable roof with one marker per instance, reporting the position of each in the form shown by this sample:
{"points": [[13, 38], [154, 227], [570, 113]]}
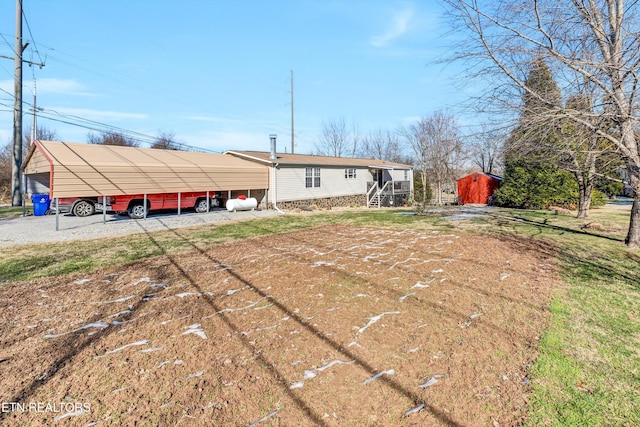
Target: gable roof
{"points": [[76, 169], [264, 157], [490, 175]]}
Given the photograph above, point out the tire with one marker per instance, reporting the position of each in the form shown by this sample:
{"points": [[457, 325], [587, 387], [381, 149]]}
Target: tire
{"points": [[201, 206], [136, 210], [84, 208]]}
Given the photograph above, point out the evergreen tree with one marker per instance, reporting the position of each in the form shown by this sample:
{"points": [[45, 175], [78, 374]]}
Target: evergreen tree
{"points": [[531, 179], [421, 190]]}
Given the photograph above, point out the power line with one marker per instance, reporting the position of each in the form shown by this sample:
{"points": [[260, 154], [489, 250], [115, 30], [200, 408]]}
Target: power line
{"points": [[92, 125], [8, 44], [35, 46]]}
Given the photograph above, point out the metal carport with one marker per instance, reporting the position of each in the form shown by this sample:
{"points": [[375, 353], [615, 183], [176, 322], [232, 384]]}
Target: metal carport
{"points": [[65, 169]]}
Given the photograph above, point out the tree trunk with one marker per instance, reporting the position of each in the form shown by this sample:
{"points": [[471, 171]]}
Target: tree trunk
{"points": [[633, 235], [425, 202], [585, 202], [585, 186]]}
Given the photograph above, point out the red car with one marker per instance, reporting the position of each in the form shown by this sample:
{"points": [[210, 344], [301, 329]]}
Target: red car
{"points": [[134, 204]]}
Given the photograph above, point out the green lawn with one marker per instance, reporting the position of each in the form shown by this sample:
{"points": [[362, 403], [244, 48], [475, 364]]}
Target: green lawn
{"points": [[588, 370], [12, 212]]}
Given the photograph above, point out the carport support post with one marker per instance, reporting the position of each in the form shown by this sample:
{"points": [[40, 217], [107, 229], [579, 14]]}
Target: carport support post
{"points": [[144, 201], [24, 194], [179, 203], [208, 201], [104, 209], [57, 215]]}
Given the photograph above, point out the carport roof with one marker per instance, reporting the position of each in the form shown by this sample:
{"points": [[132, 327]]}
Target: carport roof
{"points": [[83, 170]]}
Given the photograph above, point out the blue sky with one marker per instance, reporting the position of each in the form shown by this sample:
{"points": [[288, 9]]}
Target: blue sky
{"points": [[216, 73]]}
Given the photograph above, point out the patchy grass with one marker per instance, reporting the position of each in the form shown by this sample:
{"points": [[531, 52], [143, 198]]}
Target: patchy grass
{"points": [[45, 260], [589, 364], [13, 212]]}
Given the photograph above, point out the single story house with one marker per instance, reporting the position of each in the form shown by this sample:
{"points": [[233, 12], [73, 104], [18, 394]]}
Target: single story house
{"points": [[477, 188], [298, 180], [65, 169]]}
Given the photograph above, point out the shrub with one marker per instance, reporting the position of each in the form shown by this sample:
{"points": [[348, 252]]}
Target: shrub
{"points": [[598, 199], [536, 187]]}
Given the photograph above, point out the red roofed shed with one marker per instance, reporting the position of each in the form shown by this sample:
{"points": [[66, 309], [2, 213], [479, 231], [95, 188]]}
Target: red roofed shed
{"points": [[477, 188]]}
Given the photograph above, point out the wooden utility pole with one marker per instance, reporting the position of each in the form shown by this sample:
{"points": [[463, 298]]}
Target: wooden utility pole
{"points": [[292, 129], [16, 194]]}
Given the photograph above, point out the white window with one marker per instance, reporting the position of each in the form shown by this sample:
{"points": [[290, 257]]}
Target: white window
{"points": [[350, 173], [312, 177]]}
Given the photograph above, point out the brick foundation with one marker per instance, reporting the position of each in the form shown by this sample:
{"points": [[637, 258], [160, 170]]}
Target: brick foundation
{"points": [[324, 203]]}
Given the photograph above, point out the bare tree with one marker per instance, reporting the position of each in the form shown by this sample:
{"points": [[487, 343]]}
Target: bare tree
{"points": [[165, 141], [382, 145], [438, 148], [6, 160], [487, 149], [6, 156], [112, 138], [596, 40], [335, 139], [42, 133], [584, 153]]}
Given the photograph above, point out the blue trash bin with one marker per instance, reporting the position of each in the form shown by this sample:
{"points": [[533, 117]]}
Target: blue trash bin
{"points": [[40, 204]]}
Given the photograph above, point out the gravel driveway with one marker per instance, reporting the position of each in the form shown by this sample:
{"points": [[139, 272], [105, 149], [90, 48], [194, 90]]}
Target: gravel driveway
{"points": [[42, 229]]}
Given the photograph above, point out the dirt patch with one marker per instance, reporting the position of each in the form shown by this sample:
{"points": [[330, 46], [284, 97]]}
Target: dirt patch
{"points": [[328, 326]]}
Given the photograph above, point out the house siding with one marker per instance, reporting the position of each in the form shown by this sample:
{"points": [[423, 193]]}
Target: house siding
{"points": [[288, 189], [291, 184]]}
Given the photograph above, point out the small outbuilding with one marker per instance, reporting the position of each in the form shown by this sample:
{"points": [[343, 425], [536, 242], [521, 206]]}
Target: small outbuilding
{"points": [[477, 188]]}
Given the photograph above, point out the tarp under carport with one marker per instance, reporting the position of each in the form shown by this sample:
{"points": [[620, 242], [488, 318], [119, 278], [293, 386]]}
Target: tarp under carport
{"points": [[65, 169]]}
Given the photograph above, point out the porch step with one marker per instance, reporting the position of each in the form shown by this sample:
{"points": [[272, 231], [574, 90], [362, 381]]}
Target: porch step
{"points": [[375, 200]]}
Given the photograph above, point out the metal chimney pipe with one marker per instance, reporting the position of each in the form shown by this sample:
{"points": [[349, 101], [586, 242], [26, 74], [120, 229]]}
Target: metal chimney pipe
{"points": [[273, 155]]}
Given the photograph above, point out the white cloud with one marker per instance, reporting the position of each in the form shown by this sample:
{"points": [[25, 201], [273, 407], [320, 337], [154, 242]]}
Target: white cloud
{"points": [[98, 115], [410, 120], [215, 119], [398, 26], [61, 86], [223, 141], [49, 85]]}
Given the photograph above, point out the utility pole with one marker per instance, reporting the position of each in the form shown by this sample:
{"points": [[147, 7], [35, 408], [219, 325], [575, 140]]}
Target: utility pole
{"points": [[16, 197], [16, 194], [292, 129]]}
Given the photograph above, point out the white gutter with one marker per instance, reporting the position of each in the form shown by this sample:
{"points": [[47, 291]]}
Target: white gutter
{"points": [[275, 189], [246, 156]]}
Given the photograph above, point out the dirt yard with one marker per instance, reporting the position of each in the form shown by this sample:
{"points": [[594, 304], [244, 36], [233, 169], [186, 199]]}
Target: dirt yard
{"points": [[330, 326]]}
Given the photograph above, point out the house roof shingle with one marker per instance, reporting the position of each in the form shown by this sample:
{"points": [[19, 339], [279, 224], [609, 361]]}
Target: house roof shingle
{"points": [[308, 159]]}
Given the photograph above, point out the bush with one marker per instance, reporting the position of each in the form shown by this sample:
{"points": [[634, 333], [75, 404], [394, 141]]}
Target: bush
{"points": [[598, 199], [536, 187], [417, 190]]}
